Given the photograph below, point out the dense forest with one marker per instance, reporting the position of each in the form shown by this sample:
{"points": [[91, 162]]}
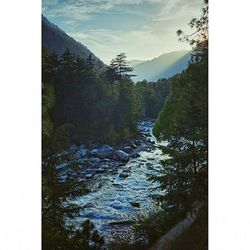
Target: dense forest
{"points": [[83, 105]]}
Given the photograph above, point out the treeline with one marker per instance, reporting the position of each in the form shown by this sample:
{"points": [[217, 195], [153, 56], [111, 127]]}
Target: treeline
{"points": [[81, 104], [151, 96]]}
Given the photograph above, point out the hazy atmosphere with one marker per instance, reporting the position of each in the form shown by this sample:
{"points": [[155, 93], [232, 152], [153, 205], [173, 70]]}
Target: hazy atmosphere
{"points": [[125, 125], [143, 29]]}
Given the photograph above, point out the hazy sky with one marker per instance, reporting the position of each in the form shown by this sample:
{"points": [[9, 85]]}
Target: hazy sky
{"points": [[143, 29]]}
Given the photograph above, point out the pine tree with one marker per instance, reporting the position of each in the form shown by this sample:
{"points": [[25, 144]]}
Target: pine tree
{"points": [[183, 122], [120, 67], [56, 192]]}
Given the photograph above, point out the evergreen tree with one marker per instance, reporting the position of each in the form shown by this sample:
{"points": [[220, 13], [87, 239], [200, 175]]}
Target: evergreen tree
{"points": [[183, 122], [119, 66], [56, 192], [151, 96]]}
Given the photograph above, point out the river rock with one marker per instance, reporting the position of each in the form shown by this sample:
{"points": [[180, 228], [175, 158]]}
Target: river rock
{"points": [[104, 166], [94, 151], [83, 152], [90, 205], [62, 165], [171, 206], [138, 142], [115, 157], [80, 154], [127, 170], [122, 155], [135, 155], [135, 204], [100, 170], [106, 160], [105, 151], [141, 241], [88, 176], [127, 149], [123, 175], [150, 159], [148, 149], [132, 144], [94, 160]]}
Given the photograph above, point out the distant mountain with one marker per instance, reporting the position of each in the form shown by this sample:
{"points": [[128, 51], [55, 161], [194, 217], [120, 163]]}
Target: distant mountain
{"points": [[55, 39], [133, 63], [163, 66]]}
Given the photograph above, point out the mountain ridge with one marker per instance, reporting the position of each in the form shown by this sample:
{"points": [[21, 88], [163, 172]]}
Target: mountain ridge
{"points": [[163, 66], [55, 39]]}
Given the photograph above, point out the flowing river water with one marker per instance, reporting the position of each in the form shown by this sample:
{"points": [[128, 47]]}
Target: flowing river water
{"points": [[115, 200]]}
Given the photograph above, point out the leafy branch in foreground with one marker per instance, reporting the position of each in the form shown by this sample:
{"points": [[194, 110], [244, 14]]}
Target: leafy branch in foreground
{"points": [[57, 190], [183, 122], [199, 38]]}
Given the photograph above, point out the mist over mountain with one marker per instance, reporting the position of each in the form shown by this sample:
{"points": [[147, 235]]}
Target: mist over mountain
{"points": [[55, 39], [163, 66]]}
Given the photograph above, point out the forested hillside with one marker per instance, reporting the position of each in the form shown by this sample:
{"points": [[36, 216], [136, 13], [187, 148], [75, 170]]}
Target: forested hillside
{"points": [[81, 104], [164, 66], [56, 40]]}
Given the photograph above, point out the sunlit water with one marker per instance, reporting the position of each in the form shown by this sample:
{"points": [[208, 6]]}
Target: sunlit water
{"points": [[109, 206]]}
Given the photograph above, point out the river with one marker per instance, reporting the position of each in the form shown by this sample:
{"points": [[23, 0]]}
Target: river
{"points": [[115, 200]]}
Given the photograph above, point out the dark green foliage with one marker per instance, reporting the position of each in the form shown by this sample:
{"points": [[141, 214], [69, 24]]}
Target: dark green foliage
{"points": [[199, 38], [183, 122], [56, 191], [151, 96], [158, 224], [97, 106], [119, 68], [196, 237]]}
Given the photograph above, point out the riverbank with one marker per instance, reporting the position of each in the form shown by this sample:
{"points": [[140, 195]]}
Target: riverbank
{"points": [[119, 191], [186, 231]]}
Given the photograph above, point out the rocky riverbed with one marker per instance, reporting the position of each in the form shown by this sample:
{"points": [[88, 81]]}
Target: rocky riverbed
{"points": [[117, 178]]}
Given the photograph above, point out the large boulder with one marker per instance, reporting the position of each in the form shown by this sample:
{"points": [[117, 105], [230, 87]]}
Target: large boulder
{"points": [[135, 155], [81, 154], [88, 176], [122, 155], [128, 149], [94, 160], [103, 152], [123, 175], [104, 166], [100, 170], [94, 151], [135, 204]]}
